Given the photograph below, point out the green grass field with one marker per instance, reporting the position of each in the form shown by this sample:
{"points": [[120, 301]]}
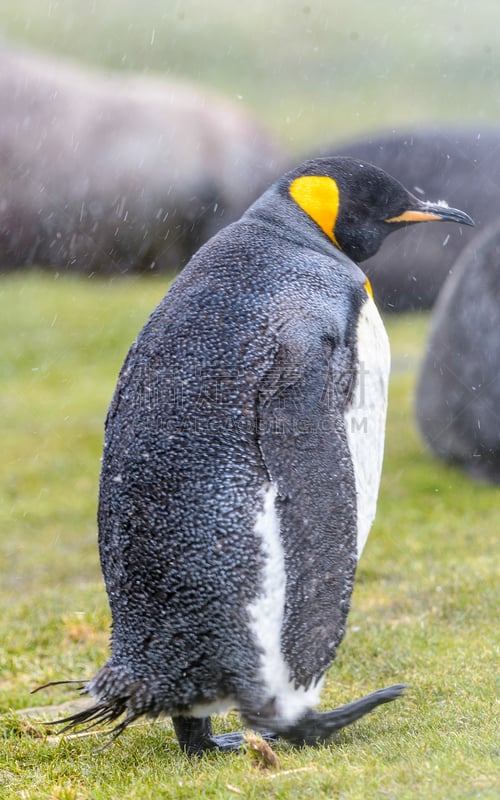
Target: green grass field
{"points": [[424, 612], [425, 607]]}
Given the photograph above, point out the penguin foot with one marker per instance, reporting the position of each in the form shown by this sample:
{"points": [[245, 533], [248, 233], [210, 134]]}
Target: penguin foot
{"points": [[315, 727], [195, 736]]}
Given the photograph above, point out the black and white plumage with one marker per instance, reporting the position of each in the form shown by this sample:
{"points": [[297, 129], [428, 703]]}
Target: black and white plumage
{"points": [[242, 458]]}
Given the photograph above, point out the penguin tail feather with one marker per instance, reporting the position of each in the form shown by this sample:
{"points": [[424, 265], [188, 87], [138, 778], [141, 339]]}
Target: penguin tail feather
{"points": [[100, 713], [96, 715]]}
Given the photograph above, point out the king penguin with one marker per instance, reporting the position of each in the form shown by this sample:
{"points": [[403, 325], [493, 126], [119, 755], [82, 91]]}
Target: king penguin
{"points": [[242, 458]]}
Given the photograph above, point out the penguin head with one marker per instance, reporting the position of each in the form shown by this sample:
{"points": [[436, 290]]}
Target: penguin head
{"points": [[357, 204]]}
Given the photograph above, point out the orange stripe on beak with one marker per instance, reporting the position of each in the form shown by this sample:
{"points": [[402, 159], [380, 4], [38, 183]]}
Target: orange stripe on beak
{"points": [[415, 216]]}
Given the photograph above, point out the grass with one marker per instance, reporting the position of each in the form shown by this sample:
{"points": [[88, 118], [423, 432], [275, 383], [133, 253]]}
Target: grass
{"points": [[424, 611]]}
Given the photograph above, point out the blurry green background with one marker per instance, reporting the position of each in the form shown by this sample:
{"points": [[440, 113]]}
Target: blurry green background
{"points": [[314, 71]]}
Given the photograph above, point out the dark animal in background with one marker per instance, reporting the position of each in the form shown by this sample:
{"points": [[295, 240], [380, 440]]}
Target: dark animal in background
{"points": [[462, 166], [458, 394], [112, 174], [242, 459]]}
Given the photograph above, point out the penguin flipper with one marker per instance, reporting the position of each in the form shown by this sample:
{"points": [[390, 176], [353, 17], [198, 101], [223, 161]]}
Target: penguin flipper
{"points": [[316, 727], [302, 438], [195, 736]]}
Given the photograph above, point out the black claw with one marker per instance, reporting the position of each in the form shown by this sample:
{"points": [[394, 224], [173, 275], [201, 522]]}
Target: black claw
{"points": [[228, 742], [195, 737]]}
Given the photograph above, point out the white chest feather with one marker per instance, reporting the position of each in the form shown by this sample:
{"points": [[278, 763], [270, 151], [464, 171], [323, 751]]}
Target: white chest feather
{"points": [[365, 418]]}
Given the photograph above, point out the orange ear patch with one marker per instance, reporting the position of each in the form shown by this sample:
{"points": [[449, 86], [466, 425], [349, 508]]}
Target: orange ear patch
{"points": [[318, 196]]}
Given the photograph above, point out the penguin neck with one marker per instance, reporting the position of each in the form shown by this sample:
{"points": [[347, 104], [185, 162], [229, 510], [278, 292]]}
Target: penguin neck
{"points": [[268, 211]]}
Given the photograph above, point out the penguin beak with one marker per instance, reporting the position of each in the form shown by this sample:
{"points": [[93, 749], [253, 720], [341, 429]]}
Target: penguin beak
{"points": [[427, 212]]}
